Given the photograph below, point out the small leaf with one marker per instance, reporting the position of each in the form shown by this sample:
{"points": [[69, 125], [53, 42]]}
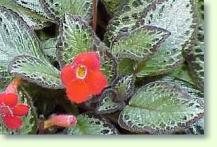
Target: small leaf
{"points": [[35, 70], [195, 59], [125, 17], [76, 36], [139, 44], [124, 88], [161, 107], [49, 47], [197, 128], [107, 105], [5, 78], [178, 17], [113, 5], [126, 67], [108, 65], [92, 125], [182, 73], [57, 8]]}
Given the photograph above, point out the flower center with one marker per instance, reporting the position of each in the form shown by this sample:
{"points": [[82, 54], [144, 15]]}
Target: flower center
{"points": [[81, 72]]}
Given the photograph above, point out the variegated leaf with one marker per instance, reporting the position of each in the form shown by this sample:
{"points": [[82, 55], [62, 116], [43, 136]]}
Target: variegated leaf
{"points": [[124, 88], [36, 71], [57, 8], [162, 107], [108, 65], [76, 36], [127, 16], [139, 44], [88, 124], [33, 5], [16, 38], [5, 78], [178, 17], [113, 5], [32, 18], [195, 58], [107, 105], [49, 47]]}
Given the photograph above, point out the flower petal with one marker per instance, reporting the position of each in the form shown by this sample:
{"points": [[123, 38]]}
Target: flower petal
{"points": [[68, 74], [63, 120], [12, 122], [1, 97], [21, 110], [89, 59], [78, 91], [10, 99], [96, 82]]}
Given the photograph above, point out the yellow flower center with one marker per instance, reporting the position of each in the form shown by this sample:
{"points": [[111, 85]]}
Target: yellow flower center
{"points": [[81, 72]]}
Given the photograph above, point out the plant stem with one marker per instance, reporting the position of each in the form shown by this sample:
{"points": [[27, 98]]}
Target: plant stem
{"points": [[95, 14]]}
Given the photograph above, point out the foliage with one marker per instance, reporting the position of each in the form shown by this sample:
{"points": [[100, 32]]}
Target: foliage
{"points": [[151, 52]]}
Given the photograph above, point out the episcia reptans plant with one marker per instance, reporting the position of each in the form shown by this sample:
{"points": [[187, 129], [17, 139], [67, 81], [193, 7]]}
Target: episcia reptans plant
{"points": [[102, 67]]}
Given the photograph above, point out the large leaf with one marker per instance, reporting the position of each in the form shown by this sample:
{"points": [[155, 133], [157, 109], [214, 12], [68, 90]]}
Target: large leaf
{"points": [[57, 8], [76, 36], [33, 18], [91, 125], [178, 17], [16, 38], [125, 18], [139, 44], [35, 70], [162, 107]]}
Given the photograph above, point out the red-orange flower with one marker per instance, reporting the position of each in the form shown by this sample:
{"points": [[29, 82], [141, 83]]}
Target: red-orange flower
{"points": [[11, 111], [83, 78]]}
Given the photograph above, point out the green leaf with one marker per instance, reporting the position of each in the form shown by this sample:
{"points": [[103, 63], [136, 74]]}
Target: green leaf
{"points": [[30, 13], [182, 73], [76, 36], [33, 5], [5, 78], [195, 59], [178, 17], [91, 125], [16, 38], [107, 105], [125, 18], [126, 67], [36, 71], [108, 65], [113, 5], [124, 87], [49, 47], [140, 43], [161, 107], [57, 8]]}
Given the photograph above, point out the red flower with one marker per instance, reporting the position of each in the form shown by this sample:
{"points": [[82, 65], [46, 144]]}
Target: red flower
{"points": [[83, 78], [66, 121], [11, 111]]}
